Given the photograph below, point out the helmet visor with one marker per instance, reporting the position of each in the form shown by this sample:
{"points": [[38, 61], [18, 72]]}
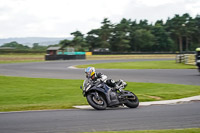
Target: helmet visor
{"points": [[89, 74]]}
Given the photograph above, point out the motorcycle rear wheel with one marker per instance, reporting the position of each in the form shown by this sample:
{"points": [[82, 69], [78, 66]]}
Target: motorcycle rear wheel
{"points": [[132, 102], [98, 104]]}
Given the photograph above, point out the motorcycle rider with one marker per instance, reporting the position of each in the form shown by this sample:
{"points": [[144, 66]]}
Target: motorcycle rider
{"points": [[197, 59], [91, 74]]}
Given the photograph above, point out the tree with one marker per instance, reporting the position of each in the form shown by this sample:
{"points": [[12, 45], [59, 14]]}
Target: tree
{"points": [[92, 39], [163, 42], [120, 40], [64, 43], [196, 33], [36, 46], [105, 33], [79, 42], [179, 28], [143, 40], [100, 38], [15, 45]]}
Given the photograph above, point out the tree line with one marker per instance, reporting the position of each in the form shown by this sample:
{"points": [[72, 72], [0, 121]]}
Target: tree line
{"points": [[180, 33], [19, 46]]}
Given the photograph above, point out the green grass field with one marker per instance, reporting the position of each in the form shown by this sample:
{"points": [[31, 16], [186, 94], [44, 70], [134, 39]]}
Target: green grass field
{"points": [[169, 64], [20, 58], [189, 130], [19, 93], [132, 56], [28, 57]]}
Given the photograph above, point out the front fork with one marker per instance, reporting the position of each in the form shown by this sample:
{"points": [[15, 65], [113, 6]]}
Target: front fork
{"points": [[96, 94]]}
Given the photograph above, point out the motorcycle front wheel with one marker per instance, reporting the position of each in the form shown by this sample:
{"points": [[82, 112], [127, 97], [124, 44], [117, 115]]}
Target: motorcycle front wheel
{"points": [[132, 101], [97, 102]]}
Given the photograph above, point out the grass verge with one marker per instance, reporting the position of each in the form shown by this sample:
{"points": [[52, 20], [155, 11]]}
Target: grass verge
{"points": [[19, 93], [189, 130], [133, 56], [169, 64], [20, 58], [28, 57]]}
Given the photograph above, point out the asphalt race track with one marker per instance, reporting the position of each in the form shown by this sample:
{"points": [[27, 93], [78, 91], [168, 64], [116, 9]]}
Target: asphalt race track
{"points": [[185, 115], [152, 117], [60, 70]]}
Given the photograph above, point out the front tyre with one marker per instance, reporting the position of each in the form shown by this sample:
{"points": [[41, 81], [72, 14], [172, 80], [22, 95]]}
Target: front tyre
{"points": [[132, 101], [97, 102]]}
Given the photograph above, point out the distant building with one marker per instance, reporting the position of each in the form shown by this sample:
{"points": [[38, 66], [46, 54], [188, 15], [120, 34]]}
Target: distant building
{"points": [[58, 53], [54, 50]]}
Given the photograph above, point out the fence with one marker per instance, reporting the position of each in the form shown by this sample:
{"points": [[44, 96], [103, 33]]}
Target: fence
{"points": [[186, 59]]}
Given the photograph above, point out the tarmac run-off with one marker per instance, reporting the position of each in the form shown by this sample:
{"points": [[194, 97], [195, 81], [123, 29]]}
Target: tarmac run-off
{"points": [[176, 101]]}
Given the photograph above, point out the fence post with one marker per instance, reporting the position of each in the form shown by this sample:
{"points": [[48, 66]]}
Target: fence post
{"points": [[186, 57]]}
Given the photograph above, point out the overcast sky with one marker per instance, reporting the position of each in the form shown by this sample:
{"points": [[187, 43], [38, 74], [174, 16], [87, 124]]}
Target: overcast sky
{"points": [[59, 18]]}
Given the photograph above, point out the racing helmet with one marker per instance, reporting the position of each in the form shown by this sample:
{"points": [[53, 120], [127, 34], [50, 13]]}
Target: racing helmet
{"points": [[90, 71]]}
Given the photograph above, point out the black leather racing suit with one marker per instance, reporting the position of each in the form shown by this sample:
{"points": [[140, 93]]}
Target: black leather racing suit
{"points": [[103, 78]]}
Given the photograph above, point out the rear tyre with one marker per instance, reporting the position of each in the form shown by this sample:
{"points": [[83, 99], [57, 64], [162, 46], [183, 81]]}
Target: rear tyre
{"points": [[132, 102], [97, 102]]}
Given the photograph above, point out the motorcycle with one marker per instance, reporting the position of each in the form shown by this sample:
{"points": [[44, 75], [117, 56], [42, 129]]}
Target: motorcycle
{"points": [[198, 58], [100, 96], [198, 65]]}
